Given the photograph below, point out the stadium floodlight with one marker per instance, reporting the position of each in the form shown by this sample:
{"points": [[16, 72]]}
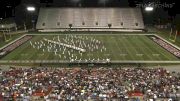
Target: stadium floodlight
{"points": [[149, 8], [31, 8]]}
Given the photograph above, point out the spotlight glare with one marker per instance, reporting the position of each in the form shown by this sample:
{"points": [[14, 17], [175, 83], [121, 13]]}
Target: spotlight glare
{"points": [[149, 9], [31, 9]]}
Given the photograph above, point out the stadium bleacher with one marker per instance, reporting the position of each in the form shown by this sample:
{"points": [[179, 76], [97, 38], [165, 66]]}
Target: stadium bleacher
{"points": [[91, 18]]}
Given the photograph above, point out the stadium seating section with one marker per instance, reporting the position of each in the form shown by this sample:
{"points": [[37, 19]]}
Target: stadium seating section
{"points": [[117, 18], [90, 84]]}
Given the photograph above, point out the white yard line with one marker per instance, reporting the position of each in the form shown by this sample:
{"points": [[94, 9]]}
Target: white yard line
{"points": [[88, 34], [89, 29], [100, 61], [158, 62]]}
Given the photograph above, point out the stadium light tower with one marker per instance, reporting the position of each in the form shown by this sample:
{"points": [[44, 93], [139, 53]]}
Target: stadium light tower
{"points": [[31, 9]]}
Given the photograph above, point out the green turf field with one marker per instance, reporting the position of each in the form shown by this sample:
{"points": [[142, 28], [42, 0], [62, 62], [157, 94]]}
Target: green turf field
{"points": [[118, 48]]}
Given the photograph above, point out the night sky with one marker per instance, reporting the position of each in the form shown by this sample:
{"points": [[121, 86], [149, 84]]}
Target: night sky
{"points": [[16, 8]]}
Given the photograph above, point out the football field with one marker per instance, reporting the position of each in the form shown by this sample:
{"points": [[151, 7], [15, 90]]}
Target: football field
{"points": [[98, 47]]}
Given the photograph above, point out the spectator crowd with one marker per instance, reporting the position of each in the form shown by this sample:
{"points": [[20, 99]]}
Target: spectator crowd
{"points": [[55, 84]]}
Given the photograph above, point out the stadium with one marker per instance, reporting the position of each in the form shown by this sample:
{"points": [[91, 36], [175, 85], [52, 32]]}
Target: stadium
{"points": [[89, 50]]}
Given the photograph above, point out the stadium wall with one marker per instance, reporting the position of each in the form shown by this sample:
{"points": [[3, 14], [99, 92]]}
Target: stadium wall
{"points": [[90, 18]]}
